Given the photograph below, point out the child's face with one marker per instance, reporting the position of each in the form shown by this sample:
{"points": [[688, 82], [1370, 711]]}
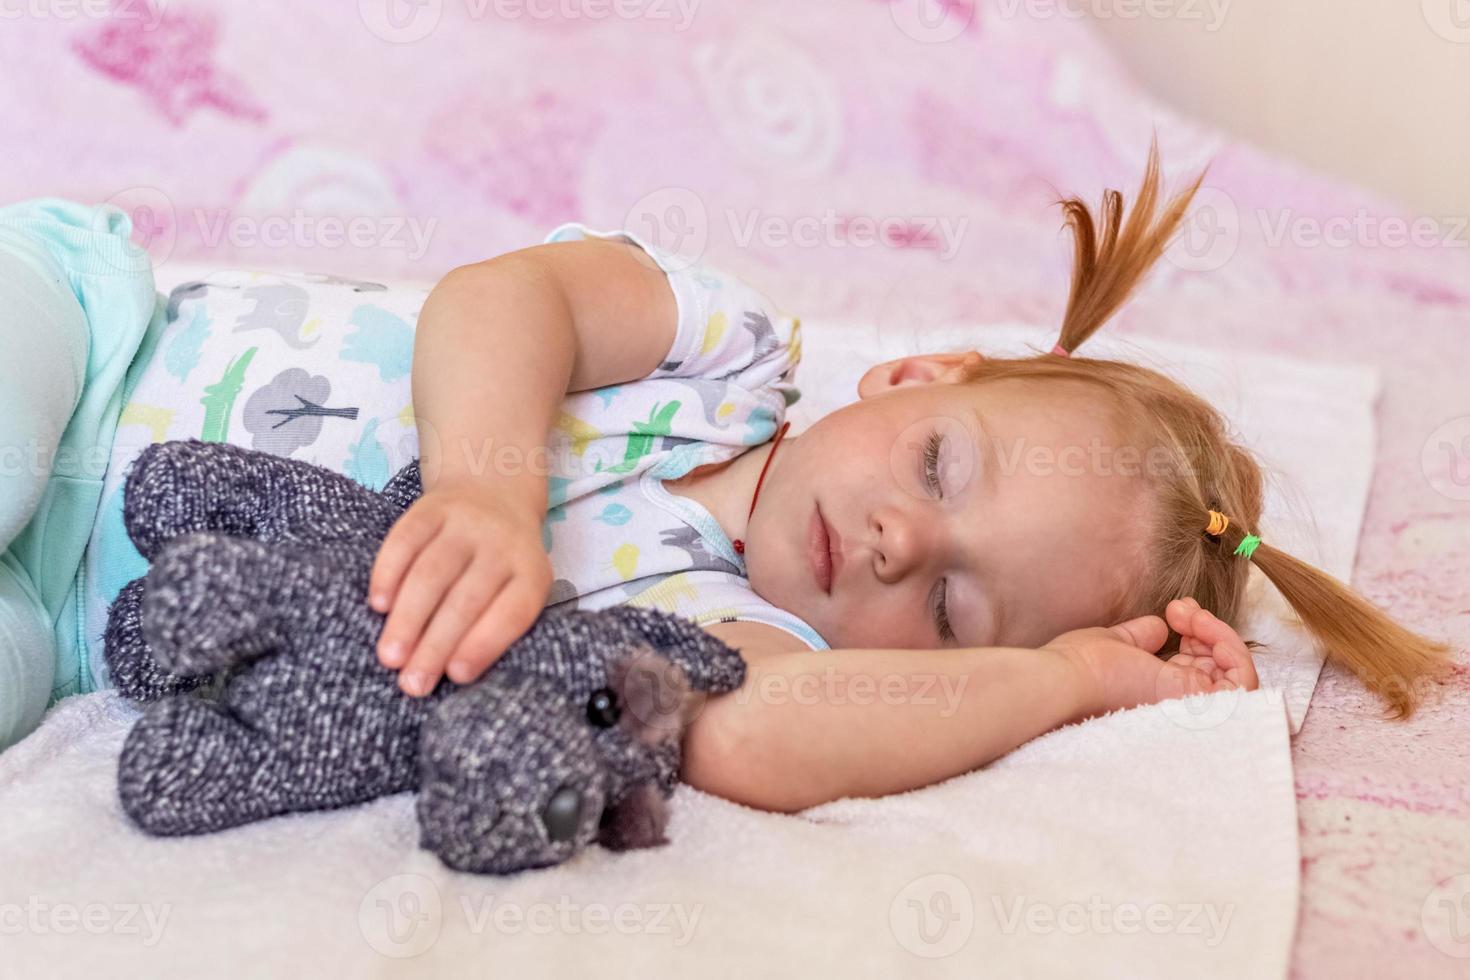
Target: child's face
{"points": [[1037, 531]]}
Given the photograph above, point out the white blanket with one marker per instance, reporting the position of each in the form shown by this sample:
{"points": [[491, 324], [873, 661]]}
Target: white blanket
{"points": [[1154, 842], [1129, 846]]}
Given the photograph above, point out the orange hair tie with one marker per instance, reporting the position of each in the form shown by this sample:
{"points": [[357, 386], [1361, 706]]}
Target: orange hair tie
{"points": [[1218, 523]]}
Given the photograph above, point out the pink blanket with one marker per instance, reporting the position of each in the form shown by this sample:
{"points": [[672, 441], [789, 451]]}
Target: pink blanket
{"points": [[881, 160]]}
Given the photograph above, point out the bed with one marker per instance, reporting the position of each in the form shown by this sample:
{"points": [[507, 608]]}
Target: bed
{"points": [[870, 165]]}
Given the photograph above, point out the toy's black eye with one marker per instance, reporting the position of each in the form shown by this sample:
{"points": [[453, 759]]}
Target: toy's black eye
{"points": [[602, 708]]}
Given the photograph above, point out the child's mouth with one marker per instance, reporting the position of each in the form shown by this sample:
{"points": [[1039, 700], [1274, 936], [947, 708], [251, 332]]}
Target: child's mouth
{"points": [[819, 550]]}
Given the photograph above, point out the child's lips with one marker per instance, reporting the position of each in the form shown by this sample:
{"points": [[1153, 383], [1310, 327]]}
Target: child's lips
{"points": [[834, 549], [819, 550]]}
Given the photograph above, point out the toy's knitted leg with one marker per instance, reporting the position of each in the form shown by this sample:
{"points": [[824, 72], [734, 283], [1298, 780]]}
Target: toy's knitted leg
{"points": [[211, 600], [190, 767], [173, 488], [510, 778], [130, 664]]}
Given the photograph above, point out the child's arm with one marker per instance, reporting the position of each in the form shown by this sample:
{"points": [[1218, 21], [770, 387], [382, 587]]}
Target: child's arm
{"points": [[497, 347], [812, 726]]}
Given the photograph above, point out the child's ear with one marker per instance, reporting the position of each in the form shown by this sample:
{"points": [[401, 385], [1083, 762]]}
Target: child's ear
{"points": [[916, 369]]}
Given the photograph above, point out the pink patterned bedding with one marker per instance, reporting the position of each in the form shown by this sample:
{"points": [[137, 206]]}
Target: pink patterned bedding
{"points": [[883, 160]]}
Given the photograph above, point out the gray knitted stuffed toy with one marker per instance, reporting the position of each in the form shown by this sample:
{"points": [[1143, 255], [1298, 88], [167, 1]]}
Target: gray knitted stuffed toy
{"points": [[252, 641]]}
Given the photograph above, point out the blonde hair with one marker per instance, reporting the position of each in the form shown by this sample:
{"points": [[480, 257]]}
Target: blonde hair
{"points": [[1207, 470]]}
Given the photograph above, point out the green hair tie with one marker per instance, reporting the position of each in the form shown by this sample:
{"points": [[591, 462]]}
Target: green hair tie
{"points": [[1247, 546]]}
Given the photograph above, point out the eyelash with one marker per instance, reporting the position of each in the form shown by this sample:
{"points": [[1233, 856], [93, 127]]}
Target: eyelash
{"points": [[931, 472]]}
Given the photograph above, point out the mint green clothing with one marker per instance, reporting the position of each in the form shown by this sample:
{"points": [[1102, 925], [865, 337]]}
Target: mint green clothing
{"points": [[77, 302]]}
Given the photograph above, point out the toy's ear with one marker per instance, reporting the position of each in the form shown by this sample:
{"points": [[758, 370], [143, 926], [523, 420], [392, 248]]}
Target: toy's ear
{"points": [[654, 696], [710, 663], [637, 820], [405, 487]]}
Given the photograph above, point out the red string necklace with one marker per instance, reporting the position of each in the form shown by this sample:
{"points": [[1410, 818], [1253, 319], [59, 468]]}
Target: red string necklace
{"points": [[740, 545]]}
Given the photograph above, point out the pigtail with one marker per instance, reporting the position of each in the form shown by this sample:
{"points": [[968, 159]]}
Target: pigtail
{"points": [[1391, 661], [1106, 270]]}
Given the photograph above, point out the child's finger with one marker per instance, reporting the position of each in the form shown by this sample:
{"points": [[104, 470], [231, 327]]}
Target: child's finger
{"points": [[1145, 632], [462, 605], [1235, 660], [506, 619], [428, 579], [1206, 629], [405, 540], [1178, 615]]}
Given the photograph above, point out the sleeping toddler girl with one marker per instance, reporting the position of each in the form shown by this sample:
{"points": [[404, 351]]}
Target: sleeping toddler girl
{"points": [[601, 422]]}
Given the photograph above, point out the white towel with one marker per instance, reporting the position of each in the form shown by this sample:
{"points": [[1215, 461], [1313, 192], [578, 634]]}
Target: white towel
{"points": [[1129, 846], [1154, 842]]}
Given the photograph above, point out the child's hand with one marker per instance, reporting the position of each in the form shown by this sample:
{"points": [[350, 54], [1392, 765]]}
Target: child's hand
{"points": [[476, 565], [1121, 670]]}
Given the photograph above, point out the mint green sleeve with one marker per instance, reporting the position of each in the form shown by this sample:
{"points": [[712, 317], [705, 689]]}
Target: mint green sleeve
{"points": [[76, 300]]}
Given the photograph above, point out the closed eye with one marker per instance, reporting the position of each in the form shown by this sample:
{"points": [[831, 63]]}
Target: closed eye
{"points": [[931, 462], [931, 472]]}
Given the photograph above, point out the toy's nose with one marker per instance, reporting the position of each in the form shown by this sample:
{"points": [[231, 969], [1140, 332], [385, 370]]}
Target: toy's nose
{"points": [[563, 813]]}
